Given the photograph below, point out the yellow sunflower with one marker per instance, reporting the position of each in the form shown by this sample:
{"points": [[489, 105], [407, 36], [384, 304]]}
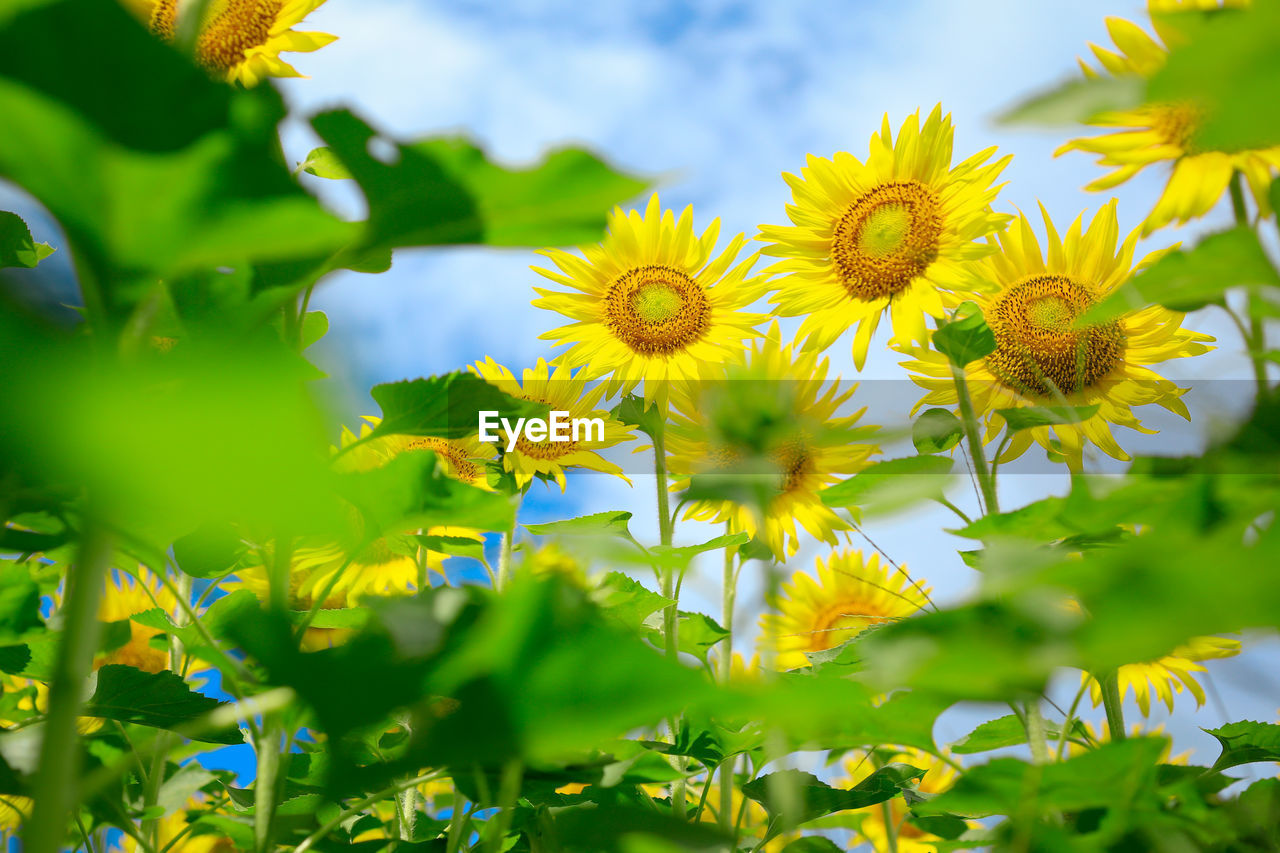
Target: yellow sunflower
{"points": [[1043, 358], [562, 392], [385, 566], [14, 810], [652, 302], [1165, 133], [1165, 676], [172, 835], [755, 820], [123, 598], [240, 39], [896, 233], [816, 445], [939, 777], [1102, 734], [849, 595]]}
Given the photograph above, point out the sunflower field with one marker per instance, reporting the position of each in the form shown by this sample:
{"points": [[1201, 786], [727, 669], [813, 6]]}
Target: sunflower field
{"points": [[232, 619]]}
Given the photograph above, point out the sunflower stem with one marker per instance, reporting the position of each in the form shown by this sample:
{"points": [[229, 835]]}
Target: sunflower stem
{"points": [[728, 603], [670, 614], [1255, 336], [264, 785], [54, 790], [970, 423], [1110, 682], [1036, 737]]}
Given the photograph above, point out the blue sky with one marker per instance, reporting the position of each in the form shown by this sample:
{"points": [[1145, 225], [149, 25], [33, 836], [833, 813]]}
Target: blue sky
{"points": [[713, 100]]}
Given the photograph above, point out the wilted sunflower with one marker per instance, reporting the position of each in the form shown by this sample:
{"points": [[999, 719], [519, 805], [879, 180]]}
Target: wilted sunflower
{"points": [[1043, 358], [812, 445], [939, 777], [849, 595], [1160, 133], [896, 233], [651, 303], [387, 565], [240, 39], [562, 392], [1167, 675]]}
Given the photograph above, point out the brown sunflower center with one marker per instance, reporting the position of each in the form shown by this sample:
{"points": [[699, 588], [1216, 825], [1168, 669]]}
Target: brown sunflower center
{"points": [[463, 468], [1176, 124], [794, 463], [546, 450], [886, 238], [239, 27], [1038, 348], [163, 19], [657, 310]]}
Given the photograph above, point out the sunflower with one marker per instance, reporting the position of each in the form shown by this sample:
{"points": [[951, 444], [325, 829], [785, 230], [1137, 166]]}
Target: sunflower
{"points": [[1165, 133], [849, 595], [650, 303], [385, 566], [14, 810], [562, 392], [939, 777], [1043, 358], [173, 835], [754, 825], [812, 445], [1165, 676], [1102, 734], [896, 233], [240, 39], [125, 597]]}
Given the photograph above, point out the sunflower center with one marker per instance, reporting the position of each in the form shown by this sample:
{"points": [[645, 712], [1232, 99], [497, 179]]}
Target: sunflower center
{"points": [[463, 468], [657, 310], [163, 19], [1177, 124], [240, 26], [886, 238], [794, 463], [1039, 352]]}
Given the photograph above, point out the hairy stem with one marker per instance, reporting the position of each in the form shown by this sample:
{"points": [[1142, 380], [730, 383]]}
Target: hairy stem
{"points": [[55, 789], [1110, 682], [728, 602], [970, 422]]}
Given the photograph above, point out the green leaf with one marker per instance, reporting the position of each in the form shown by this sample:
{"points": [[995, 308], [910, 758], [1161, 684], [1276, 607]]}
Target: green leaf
{"points": [[935, 431], [893, 484], [814, 798], [454, 546], [1245, 742], [627, 600], [966, 337], [1002, 732], [696, 634], [315, 325], [1226, 65], [1030, 417], [1039, 521], [323, 163], [19, 604], [448, 406], [813, 844], [412, 492], [1108, 777], [635, 411], [160, 700], [211, 551], [1076, 101], [610, 523], [446, 191], [1193, 278], [17, 249]]}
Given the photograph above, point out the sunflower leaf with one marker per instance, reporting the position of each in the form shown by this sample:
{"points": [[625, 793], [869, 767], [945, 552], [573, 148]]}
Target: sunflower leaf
{"points": [[160, 700], [17, 249], [893, 484], [810, 797], [936, 431], [447, 406], [1030, 417], [612, 523], [1075, 101], [1245, 742], [634, 411], [966, 337], [1005, 731]]}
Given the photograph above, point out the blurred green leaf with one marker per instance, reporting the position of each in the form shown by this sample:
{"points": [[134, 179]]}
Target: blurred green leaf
{"points": [[966, 337], [448, 406], [696, 634], [812, 844], [19, 604], [1245, 742], [1076, 101], [323, 163], [815, 798], [17, 249], [610, 523], [936, 431], [210, 551], [1229, 67], [627, 600], [891, 485], [446, 191], [454, 546], [1005, 731], [1193, 278], [160, 700], [1030, 417], [1112, 775]]}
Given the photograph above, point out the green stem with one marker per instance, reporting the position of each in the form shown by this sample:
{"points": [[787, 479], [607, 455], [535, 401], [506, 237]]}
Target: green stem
{"points": [[970, 422], [1255, 337], [505, 569], [1036, 738], [356, 808], [264, 786], [670, 614], [1069, 721], [890, 828], [1111, 701], [55, 788], [508, 791], [729, 595]]}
